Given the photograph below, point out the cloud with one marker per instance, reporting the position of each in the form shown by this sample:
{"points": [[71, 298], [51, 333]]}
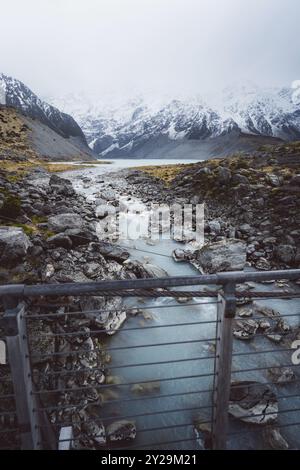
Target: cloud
{"points": [[129, 46]]}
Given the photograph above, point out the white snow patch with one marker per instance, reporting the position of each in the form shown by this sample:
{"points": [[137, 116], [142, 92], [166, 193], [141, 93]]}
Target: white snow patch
{"points": [[2, 92], [296, 92], [109, 149], [173, 134]]}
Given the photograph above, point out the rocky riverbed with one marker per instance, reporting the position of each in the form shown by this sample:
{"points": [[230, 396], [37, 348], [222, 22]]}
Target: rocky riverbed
{"points": [[51, 223]]}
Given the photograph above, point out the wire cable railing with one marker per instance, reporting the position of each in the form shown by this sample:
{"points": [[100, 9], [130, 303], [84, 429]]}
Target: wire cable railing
{"points": [[69, 357]]}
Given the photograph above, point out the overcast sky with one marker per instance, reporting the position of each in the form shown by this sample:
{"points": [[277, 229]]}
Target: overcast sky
{"points": [[127, 46]]}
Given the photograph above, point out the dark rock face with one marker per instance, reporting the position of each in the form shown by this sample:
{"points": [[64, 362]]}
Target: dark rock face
{"points": [[19, 96]]}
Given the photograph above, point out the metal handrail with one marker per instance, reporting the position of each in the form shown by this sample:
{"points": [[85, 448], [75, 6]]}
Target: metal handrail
{"points": [[31, 411], [23, 291]]}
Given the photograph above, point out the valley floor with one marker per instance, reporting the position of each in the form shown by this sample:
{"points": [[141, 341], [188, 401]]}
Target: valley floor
{"points": [[253, 200]]}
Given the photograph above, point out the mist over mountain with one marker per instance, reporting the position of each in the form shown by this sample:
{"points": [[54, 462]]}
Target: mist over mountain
{"points": [[237, 118]]}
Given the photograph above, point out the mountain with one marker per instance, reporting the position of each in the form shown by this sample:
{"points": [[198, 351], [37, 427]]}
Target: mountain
{"points": [[54, 133], [242, 117], [273, 112]]}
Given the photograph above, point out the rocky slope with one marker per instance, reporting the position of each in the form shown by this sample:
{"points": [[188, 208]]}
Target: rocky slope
{"points": [[25, 138], [53, 134], [48, 234], [254, 199], [239, 118]]}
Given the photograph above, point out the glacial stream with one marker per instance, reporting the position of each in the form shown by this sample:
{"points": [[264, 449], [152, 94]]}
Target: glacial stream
{"points": [[189, 396]]}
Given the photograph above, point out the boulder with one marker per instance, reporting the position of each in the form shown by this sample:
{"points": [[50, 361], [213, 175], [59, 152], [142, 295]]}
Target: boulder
{"points": [[122, 430], [61, 186], [246, 229], [80, 236], [286, 253], [114, 322], [295, 180], [281, 375], [14, 245], [61, 222], [95, 432], [226, 255], [240, 179], [274, 439], [60, 240], [180, 255], [111, 251], [145, 270], [253, 402], [224, 175], [274, 180], [245, 329], [214, 227]]}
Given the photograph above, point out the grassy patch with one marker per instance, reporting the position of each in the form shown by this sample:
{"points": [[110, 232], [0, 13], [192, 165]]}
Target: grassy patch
{"points": [[28, 229], [164, 172], [16, 171], [38, 219], [11, 207]]}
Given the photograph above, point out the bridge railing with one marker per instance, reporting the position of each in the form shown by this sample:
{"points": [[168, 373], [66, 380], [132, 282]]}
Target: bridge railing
{"points": [[57, 384]]}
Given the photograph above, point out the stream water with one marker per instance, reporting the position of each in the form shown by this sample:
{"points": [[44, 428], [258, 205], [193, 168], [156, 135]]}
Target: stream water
{"points": [[156, 413]]}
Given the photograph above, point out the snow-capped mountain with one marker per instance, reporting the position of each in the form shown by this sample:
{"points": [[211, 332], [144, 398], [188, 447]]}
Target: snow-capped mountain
{"points": [[273, 112], [178, 127], [17, 95]]}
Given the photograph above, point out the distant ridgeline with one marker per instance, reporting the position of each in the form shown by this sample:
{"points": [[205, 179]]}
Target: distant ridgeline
{"points": [[53, 134]]}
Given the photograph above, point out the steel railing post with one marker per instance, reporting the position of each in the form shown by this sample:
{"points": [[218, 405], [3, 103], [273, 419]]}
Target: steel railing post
{"points": [[14, 326], [226, 314]]}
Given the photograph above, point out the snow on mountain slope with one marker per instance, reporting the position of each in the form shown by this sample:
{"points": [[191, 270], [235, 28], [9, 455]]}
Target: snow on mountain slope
{"points": [[138, 126], [273, 112], [15, 94]]}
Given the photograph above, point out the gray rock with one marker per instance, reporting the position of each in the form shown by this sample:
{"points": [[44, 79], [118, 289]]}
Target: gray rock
{"points": [[245, 329], [109, 195], [61, 186], [226, 255], [295, 180], [240, 179], [275, 338], [246, 229], [80, 236], [274, 439], [103, 210], [180, 255], [61, 240], [122, 430], [214, 226], [145, 270], [286, 253], [281, 375], [274, 180], [114, 322], [96, 432], [94, 271], [61, 222], [224, 175], [253, 402], [14, 245], [111, 251]]}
